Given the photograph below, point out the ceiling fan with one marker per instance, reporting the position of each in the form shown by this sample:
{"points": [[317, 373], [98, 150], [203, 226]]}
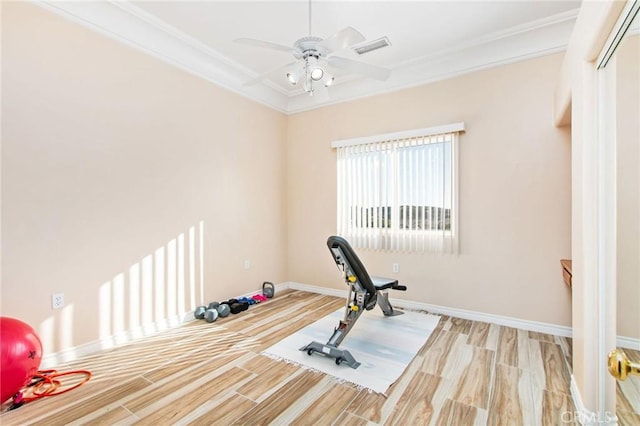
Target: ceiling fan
{"points": [[312, 54]]}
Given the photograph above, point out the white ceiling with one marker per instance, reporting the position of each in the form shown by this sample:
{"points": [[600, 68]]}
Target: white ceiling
{"points": [[430, 40]]}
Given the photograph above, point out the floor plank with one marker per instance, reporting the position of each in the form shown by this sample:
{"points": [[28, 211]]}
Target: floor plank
{"points": [[174, 410], [505, 407], [266, 411], [328, 407], [508, 346], [558, 408], [557, 377], [368, 406], [436, 357], [478, 334], [415, 407], [225, 412], [472, 389], [269, 380], [456, 413]]}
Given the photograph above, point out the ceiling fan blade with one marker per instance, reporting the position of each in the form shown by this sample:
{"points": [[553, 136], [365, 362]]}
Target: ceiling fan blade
{"points": [[261, 77], [357, 67], [344, 38], [264, 44]]}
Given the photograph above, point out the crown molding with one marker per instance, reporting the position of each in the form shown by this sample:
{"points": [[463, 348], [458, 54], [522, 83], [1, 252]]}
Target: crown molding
{"points": [[128, 24]]}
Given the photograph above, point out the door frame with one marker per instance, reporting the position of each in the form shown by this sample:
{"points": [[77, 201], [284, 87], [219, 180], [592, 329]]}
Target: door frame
{"points": [[598, 188], [584, 98]]}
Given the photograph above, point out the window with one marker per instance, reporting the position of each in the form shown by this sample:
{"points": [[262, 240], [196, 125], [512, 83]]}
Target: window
{"points": [[399, 191]]}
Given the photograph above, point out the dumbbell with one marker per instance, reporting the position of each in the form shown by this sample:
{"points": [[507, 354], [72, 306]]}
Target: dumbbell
{"points": [[223, 310], [259, 298], [236, 306], [199, 312], [211, 315]]}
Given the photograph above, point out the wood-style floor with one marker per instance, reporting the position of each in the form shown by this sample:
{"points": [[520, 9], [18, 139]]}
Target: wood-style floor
{"points": [[467, 373]]}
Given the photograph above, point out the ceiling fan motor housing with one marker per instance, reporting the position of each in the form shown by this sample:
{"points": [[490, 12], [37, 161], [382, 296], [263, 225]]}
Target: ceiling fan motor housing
{"points": [[307, 47]]}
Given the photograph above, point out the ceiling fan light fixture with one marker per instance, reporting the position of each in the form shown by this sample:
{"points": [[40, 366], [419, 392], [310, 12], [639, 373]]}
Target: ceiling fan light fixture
{"points": [[317, 74], [292, 77]]}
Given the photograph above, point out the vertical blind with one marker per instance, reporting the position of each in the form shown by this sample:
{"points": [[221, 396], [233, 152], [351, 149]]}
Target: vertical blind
{"points": [[399, 194]]}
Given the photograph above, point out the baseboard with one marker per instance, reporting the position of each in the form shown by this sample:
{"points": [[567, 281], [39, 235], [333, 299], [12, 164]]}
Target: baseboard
{"points": [[76, 352], [317, 289], [582, 414], [557, 330], [628, 343]]}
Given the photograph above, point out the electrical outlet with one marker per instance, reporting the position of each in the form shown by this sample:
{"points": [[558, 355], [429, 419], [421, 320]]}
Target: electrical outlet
{"points": [[396, 268], [57, 300], [247, 264]]}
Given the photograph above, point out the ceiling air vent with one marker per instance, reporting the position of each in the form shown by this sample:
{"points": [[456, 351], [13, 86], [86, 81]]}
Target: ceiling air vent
{"points": [[373, 45]]}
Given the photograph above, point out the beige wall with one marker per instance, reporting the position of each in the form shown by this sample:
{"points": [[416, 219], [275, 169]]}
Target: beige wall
{"points": [[111, 161], [628, 181], [515, 196]]}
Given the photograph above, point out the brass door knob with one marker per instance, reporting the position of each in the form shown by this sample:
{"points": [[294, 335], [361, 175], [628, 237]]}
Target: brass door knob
{"points": [[621, 367]]}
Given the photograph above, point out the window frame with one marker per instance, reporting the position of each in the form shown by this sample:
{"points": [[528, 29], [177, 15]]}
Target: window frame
{"points": [[393, 237]]}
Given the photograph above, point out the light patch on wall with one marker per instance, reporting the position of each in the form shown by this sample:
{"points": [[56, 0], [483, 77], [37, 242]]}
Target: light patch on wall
{"points": [[172, 261], [118, 304], [147, 290], [152, 295], [105, 311], [159, 290], [201, 258], [46, 334], [181, 272], [66, 329], [192, 266], [172, 288], [134, 300], [57, 331]]}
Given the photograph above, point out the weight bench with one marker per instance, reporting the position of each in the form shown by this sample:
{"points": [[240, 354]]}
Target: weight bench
{"points": [[364, 292]]}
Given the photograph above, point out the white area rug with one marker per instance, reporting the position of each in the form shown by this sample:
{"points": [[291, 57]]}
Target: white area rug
{"points": [[383, 345]]}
